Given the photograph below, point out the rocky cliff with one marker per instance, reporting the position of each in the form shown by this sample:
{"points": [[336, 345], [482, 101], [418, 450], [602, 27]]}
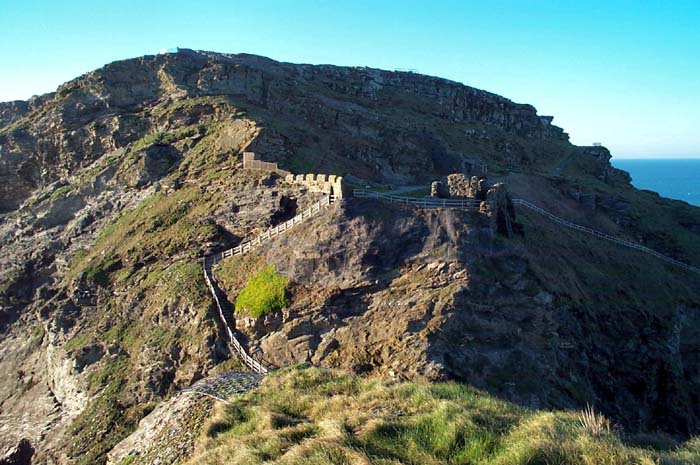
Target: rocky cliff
{"points": [[113, 187], [386, 125]]}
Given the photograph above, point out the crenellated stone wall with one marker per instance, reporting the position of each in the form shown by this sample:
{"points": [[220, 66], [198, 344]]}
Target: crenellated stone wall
{"points": [[325, 183], [330, 184]]}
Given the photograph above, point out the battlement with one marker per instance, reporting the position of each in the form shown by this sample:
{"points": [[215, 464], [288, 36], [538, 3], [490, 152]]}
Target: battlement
{"points": [[329, 184], [325, 183]]}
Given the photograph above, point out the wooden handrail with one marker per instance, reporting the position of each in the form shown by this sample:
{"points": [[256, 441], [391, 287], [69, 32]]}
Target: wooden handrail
{"points": [[602, 235], [470, 204], [210, 261], [463, 204]]}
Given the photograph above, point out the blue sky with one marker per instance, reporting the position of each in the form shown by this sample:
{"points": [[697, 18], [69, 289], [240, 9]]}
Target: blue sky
{"points": [[623, 73]]}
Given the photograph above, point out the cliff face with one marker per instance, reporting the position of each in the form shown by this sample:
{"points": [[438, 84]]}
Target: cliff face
{"points": [[113, 187], [385, 125]]}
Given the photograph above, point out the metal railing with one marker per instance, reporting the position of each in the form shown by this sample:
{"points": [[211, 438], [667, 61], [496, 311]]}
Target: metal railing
{"points": [[602, 235], [426, 202]]}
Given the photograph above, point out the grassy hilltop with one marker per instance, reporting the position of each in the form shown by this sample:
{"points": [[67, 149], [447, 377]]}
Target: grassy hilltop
{"points": [[311, 416]]}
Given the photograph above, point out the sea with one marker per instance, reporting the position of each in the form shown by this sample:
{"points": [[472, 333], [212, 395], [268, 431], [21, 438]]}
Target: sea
{"points": [[675, 178]]}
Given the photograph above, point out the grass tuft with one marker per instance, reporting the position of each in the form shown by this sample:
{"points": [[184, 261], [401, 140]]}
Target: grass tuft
{"points": [[266, 292], [594, 423]]}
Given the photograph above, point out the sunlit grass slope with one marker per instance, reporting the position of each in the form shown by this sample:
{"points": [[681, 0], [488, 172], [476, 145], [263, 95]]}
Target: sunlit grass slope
{"points": [[314, 416]]}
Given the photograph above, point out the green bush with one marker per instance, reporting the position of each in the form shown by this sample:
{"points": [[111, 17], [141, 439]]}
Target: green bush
{"points": [[264, 293]]}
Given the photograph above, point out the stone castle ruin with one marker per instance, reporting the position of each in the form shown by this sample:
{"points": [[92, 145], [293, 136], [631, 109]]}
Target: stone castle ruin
{"points": [[469, 183], [329, 184], [325, 183], [495, 201], [461, 186]]}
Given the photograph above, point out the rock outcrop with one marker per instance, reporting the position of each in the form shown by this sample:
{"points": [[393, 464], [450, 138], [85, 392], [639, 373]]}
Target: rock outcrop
{"points": [[167, 435], [359, 110], [21, 454]]}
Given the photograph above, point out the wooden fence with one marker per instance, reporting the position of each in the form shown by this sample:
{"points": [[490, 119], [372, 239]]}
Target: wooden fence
{"points": [[425, 202], [245, 247], [255, 364], [602, 235]]}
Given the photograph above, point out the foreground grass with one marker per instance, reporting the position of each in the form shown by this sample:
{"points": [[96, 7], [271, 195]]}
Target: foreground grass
{"points": [[316, 416]]}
